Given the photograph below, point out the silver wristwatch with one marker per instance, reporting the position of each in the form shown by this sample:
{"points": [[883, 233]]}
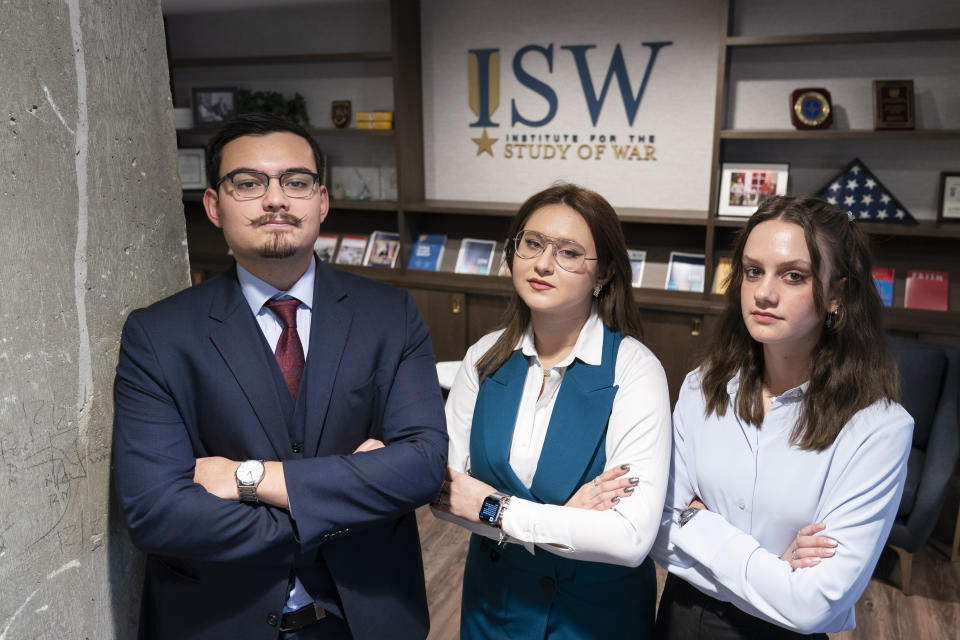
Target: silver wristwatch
{"points": [[687, 515], [249, 474]]}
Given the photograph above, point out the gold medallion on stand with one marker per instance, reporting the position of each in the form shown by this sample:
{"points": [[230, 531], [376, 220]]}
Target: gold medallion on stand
{"points": [[811, 109]]}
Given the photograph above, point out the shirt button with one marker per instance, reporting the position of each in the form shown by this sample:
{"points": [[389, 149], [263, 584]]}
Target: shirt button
{"points": [[273, 619], [297, 447]]}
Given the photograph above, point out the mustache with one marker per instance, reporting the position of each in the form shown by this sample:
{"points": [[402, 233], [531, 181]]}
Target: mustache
{"points": [[283, 216]]}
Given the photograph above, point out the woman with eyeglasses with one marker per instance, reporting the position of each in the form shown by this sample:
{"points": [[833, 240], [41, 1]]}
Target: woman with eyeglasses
{"points": [[559, 429], [790, 450]]}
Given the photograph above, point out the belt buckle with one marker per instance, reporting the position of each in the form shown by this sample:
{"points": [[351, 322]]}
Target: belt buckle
{"points": [[302, 617]]}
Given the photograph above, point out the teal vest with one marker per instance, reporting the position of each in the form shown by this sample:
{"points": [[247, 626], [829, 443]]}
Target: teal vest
{"points": [[510, 593]]}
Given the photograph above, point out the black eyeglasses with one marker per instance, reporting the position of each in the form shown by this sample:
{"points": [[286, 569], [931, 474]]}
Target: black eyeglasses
{"points": [[568, 254], [247, 185]]}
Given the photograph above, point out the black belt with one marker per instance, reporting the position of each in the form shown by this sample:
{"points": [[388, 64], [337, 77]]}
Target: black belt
{"points": [[302, 617]]}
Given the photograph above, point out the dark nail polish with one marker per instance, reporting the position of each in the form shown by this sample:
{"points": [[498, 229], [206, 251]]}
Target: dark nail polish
{"points": [[634, 480], [628, 489], [615, 499], [625, 467]]}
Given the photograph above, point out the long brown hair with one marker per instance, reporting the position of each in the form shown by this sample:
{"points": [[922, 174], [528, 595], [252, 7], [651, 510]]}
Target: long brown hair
{"points": [[615, 304], [851, 368]]}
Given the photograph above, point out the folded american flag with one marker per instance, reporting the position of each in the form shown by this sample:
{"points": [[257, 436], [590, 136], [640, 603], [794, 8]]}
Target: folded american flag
{"points": [[858, 192]]}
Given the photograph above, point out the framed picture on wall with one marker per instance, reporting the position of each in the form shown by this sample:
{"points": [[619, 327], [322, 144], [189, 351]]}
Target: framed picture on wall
{"points": [[743, 186], [213, 107], [191, 163], [949, 208]]}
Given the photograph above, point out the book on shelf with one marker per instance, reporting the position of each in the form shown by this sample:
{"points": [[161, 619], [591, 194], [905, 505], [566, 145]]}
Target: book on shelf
{"points": [[476, 256], [325, 246], [427, 252], [685, 272], [382, 250], [376, 124], [374, 116], [638, 260], [926, 289], [351, 249], [722, 275], [883, 278]]}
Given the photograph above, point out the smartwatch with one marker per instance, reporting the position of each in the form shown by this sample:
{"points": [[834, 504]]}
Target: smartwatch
{"points": [[249, 474], [687, 515], [494, 505]]}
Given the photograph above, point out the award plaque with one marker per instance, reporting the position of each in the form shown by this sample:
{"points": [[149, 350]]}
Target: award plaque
{"points": [[340, 113], [810, 108], [893, 104]]}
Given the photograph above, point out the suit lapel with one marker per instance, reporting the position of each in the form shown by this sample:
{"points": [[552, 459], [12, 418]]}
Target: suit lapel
{"points": [[492, 430], [329, 328], [577, 427], [239, 341]]}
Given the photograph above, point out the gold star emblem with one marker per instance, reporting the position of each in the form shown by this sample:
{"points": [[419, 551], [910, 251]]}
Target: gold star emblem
{"points": [[485, 143]]}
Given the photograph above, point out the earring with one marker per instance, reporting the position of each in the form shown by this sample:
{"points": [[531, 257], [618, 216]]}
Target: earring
{"points": [[832, 318], [596, 290]]}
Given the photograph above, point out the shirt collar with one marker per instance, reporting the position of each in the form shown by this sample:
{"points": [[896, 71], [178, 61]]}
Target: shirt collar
{"points": [[797, 393], [588, 348], [257, 292]]}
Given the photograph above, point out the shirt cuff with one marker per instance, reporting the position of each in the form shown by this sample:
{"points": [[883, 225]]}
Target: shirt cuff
{"points": [[717, 545], [519, 522]]}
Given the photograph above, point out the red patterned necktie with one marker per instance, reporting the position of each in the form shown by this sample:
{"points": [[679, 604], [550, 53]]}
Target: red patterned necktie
{"points": [[289, 351]]}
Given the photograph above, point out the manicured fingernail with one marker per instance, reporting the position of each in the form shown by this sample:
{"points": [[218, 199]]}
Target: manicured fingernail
{"points": [[628, 489], [615, 499], [634, 480], [814, 561], [828, 552], [832, 542], [625, 467]]}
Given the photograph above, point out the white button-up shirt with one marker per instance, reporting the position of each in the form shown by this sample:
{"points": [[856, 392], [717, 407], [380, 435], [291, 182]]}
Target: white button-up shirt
{"points": [[638, 434], [760, 490]]}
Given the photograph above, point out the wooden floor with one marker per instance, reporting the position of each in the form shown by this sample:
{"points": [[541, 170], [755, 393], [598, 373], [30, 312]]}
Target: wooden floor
{"points": [[883, 613]]}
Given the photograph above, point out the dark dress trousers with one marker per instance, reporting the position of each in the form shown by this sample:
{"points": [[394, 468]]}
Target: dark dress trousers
{"points": [[197, 378]]}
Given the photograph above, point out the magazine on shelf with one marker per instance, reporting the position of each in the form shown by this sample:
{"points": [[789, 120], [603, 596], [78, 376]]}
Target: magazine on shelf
{"points": [[883, 278], [382, 250], [926, 289], [476, 256], [638, 260], [351, 249], [325, 246], [685, 272], [427, 252]]}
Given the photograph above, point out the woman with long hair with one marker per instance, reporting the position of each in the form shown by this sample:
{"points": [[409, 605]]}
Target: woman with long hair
{"points": [[790, 450], [559, 429]]}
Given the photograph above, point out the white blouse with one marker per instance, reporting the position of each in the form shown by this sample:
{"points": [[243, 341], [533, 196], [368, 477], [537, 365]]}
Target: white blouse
{"points": [[638, 434], [760, 490]]}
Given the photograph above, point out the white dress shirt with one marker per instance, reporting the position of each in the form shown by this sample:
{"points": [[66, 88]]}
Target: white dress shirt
{"points": [[257, 293], [760, 490], [638, 434]]}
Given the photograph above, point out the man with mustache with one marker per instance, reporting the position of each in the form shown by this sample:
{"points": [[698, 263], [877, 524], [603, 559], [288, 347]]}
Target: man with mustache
{"points": [[276, 426]]}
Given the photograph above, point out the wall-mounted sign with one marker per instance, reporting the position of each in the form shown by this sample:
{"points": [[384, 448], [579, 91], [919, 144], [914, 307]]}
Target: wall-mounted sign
{"points": [[618, 96]]}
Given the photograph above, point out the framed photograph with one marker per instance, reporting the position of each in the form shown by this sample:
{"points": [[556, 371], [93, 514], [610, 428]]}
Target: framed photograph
{"points": [[949, 209], [743, 186], [213, 107], [192, 163]]}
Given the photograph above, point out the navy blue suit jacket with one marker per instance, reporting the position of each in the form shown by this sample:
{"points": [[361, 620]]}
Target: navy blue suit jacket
{"points": [[195, 378]]}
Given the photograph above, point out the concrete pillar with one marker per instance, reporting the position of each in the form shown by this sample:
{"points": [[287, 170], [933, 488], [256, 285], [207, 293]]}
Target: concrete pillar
{"points": [[92, 227]]}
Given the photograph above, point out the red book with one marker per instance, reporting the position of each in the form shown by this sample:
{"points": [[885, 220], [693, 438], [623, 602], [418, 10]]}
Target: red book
{"points": [[927, 289]]}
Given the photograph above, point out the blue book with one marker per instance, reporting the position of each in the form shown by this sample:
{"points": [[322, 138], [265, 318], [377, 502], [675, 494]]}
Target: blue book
{"points": [[427, 252]]}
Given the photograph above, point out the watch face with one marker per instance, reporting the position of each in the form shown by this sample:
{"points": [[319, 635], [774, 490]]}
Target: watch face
{"points": [[250, 471], [488, 512]]}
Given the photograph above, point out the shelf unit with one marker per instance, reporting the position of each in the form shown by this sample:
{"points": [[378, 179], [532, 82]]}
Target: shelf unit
{"points": [[460, 308], [928, 243]]}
